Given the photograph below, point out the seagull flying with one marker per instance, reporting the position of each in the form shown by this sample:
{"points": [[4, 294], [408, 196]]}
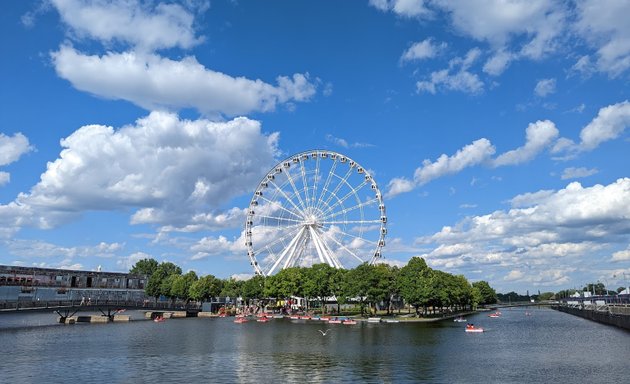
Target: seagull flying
{"points": [[323, 332]]}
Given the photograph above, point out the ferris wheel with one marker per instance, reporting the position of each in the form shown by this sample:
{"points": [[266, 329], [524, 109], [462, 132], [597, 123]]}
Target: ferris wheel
{"points": [[315, 207]]}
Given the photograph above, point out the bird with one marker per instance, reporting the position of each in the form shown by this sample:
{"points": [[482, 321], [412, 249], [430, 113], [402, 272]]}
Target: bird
{"points": [[323, 332]]}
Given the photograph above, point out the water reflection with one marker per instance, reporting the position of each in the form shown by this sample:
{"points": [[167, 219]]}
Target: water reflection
{"points": [[545, 347]]}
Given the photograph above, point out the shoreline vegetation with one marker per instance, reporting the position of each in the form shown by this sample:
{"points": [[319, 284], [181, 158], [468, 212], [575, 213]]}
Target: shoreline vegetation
{"points": [[418, 290]]}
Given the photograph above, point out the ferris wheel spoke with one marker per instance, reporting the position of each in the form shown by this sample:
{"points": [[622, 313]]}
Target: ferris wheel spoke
{"points": [[331, 172], [281, 239], [338, 186], [343, 246], [283, 208], [350, 209], [355, 236], [279, 219], [315, 182], [352, 192], [295, 190], [304, 182], [284, 194]]}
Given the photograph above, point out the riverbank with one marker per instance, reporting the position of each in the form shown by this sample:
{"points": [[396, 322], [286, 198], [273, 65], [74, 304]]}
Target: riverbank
{"points": [[610, 315]]}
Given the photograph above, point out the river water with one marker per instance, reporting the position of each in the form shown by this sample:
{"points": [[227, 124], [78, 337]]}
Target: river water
{"points": [[546, 347]]}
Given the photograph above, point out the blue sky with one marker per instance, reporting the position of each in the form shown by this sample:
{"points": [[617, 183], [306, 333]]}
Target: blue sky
{"points": [[497, 131]]}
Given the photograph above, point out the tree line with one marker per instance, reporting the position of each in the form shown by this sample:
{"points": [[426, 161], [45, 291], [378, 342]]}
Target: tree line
{"points": [[416, 284]]}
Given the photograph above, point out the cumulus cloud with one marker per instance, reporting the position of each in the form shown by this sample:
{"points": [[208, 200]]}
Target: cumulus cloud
{"points": [[576, 173], [175, 172], [576, 223], [5, 177], [512, 29], [623, 255], [472, 154], [539, 135], [604, 25], [43, 250], [545, 87], [145, 25], [422, 50], [13, 147], [609, 124], [456, 77], [406, 8], [155, 82]]}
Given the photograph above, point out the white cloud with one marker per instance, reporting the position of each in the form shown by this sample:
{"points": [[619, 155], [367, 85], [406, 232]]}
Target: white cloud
{"points": [[472, 154], [604, 24], [40, 249], [425, 49], [537, 23], [545, 87], [154, 82], [609, 124], [579, 225], [157, 165], [13, 147], [498, 62], [126, 263], [576, 173], [5, 177], [623, 255], [344, 143], [406, 8], [513, 275], [399, 185], [145, 25], [455, 78], [539, 135]]}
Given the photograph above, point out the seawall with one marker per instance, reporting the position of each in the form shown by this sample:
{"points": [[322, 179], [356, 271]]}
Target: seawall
{"points": [[619, 317]]}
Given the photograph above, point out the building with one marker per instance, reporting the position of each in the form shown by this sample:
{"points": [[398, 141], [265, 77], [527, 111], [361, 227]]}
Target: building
{"points": [[35, 285]]}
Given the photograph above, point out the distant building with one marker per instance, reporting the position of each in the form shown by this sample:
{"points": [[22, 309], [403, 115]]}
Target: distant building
{"points": [[24, 284]]}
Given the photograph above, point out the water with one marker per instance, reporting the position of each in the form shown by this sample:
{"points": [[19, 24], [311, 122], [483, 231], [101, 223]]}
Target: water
{"points": [[547, 347]]}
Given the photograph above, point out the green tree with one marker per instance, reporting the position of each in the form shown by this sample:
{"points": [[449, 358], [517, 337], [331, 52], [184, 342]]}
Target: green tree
{"points": [[231, 288], [414, 283], [158, 284], [206, 287], [338, 287], [317, 282], [358, 284], [488, 295], [290, 282], [181, 285], [253, 288], [144, 267]]}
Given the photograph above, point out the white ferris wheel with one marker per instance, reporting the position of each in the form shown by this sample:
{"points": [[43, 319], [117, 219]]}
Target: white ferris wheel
{"points": [[315, 207]]}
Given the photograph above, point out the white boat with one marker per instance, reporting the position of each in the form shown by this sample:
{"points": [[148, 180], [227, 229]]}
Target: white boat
{"points": [[374, 319], [459, 319], [392, 321], [474, 329]]}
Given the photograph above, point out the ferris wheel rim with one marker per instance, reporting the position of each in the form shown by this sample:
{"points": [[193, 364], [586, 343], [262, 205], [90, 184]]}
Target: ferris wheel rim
{"points": [[311, 205]]}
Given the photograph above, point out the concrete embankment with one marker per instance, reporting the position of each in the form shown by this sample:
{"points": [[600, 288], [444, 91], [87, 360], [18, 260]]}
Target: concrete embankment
{"points": [[616, 316]]}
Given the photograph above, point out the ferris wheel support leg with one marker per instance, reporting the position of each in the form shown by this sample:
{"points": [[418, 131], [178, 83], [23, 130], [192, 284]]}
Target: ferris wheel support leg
{"points": [[286, 251], [293, 251], [324, 257]]}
